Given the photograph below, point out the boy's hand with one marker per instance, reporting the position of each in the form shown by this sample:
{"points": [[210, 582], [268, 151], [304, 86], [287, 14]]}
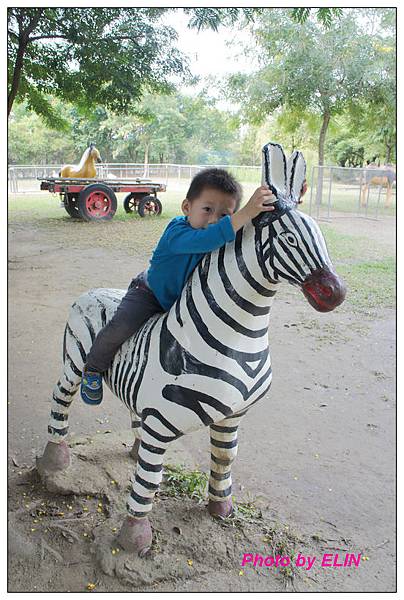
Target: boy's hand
{"points": [[302, 191], [261, 200]]}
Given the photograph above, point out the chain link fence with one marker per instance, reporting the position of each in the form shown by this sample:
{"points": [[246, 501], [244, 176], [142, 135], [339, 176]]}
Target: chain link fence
{"points": [[343, 191]]}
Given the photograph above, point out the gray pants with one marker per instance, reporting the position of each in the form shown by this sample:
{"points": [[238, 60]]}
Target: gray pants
{"points": [[136, 307]]}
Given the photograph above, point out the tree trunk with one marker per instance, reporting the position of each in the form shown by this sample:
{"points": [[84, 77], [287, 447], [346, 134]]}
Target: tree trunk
{"points": [[388, 153], [146, 160], [321, 142], [16, 75], [23, 39]]}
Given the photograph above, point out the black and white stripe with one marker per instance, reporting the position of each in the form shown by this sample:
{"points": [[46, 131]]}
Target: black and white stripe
{"points": [[206, 361]]}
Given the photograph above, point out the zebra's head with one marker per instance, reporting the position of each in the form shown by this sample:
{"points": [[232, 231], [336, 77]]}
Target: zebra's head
{"points": [[289, 244]]}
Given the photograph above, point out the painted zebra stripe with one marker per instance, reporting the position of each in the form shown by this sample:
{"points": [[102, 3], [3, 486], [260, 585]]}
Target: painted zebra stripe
{"points": [[314, 253], [149, 466], [143, 364], [178, 312], [58, 432], [157, 414], [86, 320], [181, 361], [246, 273], [64, 391], [146, 484], [58, 416], [253, 309], [220, 444], [222, 429], [307, 245], [151, 448], [140, 499], [72, 366], [64, 403], [219, 476], [221, 314], [158, 436], [219, 493], [224, 462], [242, 358]]}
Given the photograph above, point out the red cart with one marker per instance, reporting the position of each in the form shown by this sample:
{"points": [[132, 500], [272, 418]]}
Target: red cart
{"points": [[95, 199]]}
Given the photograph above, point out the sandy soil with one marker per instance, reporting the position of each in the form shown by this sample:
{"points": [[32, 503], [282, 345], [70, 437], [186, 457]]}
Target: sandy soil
{"points": [[317, 455]]}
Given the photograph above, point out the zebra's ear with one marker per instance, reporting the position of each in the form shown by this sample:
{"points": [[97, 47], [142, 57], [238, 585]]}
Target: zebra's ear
{"points": [[274, 169], [296, 174]]}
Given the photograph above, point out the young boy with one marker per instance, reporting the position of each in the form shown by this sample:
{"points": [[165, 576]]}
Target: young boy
{"points": [[211, 218]]}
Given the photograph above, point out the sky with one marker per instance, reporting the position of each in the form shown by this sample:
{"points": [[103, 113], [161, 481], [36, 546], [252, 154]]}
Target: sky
{"points": [[208, 52]]}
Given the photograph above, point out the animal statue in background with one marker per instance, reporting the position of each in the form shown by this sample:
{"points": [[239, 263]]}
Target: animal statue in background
{"points": [[383, 176], [206, 362], [86, 167]]}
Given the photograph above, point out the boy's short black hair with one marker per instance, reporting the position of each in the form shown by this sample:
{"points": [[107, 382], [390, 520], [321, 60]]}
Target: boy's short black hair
{"points": [[217, 179]]}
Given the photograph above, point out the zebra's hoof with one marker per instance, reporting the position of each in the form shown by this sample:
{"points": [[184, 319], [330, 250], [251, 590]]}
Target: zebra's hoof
{"points": [[136, 535], [56, 457], [220, 509], [133, 452]]}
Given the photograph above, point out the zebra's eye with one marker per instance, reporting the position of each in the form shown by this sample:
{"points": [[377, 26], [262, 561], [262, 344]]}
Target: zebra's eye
{"points": [[290, 238]]}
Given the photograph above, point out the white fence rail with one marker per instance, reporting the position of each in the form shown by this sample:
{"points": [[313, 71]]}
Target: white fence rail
{"points": [[23, 178], [333, 191]]}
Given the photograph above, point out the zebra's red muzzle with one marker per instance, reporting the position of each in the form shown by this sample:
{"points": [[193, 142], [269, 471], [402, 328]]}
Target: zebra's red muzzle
{"points": [[324, 290]]}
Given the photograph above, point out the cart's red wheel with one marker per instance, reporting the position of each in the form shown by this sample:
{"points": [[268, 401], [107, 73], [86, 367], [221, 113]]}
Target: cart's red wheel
{"points": [[97, 202], [149, 206]]}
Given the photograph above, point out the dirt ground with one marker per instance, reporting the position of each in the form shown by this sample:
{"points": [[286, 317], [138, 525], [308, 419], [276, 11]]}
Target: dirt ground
{"points": [[316, 456]]}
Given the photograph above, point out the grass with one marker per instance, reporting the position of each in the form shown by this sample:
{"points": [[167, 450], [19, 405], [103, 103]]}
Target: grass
{"points": [[345, 198], [41, 206], [371, 284], [367, 266], [280, 539], [283, 542], [179, 481]]}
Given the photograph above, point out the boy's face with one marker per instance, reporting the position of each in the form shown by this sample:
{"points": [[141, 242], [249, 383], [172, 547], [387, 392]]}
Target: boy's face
{"points": [[210, 206]]}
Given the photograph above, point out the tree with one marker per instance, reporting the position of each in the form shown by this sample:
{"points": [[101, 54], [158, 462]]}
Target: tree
{"points": [[311, 69], [176, 128], [212, 18], [88, 56], [32, 143], [104, 56]]}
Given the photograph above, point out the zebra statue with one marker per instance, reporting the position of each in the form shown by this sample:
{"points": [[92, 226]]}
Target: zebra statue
{"points": [[206, 361]]}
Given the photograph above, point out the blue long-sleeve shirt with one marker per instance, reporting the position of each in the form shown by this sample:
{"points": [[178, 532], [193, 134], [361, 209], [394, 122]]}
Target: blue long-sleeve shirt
{"points": [[178, 252]]}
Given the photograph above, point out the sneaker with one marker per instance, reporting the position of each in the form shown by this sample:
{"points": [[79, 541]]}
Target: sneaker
{"points": [[91, 387]]}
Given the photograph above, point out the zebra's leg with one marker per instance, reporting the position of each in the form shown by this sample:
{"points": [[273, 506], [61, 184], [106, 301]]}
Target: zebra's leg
{"points": [[56, 456], [136, 428], [136, 533], [223, 443]]}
